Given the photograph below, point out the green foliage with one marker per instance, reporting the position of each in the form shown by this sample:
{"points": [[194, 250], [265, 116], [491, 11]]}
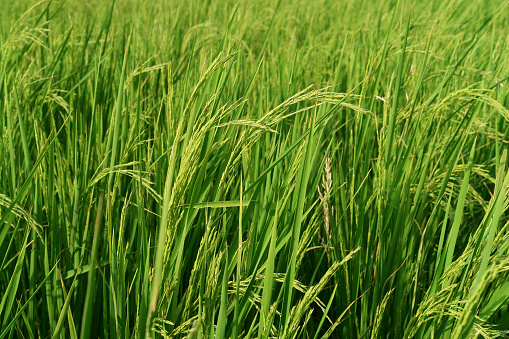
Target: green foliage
{"points": [[219, 169]]}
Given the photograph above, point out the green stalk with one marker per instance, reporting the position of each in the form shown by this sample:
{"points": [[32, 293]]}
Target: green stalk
{"points": [[302, 181]]}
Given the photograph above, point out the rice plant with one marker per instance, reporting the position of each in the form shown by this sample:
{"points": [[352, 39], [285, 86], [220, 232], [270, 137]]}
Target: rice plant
{"points": [[251, 169]]}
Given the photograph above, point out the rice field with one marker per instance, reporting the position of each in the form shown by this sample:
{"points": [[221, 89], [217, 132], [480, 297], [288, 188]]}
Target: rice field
{"points": [[253, 169]]}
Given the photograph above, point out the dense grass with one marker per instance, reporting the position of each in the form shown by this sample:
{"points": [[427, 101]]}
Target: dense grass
{"points": [[225, 169]]}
